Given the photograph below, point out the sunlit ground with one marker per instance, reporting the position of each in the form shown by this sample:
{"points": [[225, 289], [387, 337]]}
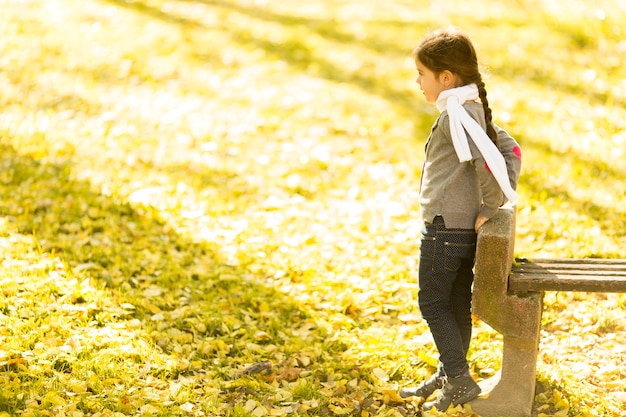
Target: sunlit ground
{"points": [[190, 188]]}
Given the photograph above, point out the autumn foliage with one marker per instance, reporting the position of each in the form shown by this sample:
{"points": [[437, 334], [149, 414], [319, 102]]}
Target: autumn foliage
{"points": [[208, 207]]}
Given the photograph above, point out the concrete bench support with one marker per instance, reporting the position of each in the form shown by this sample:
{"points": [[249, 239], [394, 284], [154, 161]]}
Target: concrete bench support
{"points": [[517, 317], [509, 299]]}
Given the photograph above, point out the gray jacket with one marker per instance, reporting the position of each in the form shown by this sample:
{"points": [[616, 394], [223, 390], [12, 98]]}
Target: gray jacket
{"points": [[459, 191]]}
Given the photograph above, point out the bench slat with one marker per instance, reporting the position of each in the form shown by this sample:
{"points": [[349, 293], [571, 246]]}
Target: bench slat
{"points": [[589, 275], [572, 261], [571, 271], [616, 264]]}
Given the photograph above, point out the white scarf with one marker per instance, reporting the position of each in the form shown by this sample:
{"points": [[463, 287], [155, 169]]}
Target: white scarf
{"points": [[460, 122]]}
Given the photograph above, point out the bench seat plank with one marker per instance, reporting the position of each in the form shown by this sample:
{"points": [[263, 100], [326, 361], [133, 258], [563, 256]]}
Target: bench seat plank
{"points": [[588, 275]]}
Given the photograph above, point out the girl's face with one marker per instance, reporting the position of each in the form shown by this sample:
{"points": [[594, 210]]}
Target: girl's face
{"points": [[430, 83]]}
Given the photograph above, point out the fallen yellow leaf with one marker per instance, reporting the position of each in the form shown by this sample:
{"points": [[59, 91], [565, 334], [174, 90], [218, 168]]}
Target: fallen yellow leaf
{"points": [[562, 404], [340, 411], [380, 374], [279, 412], [78, 386], [391, 396], [260, 411], [52, 398]]}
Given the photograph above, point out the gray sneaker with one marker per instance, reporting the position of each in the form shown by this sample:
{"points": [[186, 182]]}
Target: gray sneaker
{"points": [[426, 388], [456, 391]]}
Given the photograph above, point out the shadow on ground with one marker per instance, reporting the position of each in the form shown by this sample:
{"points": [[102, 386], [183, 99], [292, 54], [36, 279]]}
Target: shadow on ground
{"points": [[201, 295]]}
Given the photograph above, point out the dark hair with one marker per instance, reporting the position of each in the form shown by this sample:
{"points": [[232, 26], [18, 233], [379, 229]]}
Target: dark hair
{"points": [[452, 50]]}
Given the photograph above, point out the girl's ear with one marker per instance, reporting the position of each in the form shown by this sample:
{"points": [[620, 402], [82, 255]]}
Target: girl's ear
{"points": [[447, 78]]}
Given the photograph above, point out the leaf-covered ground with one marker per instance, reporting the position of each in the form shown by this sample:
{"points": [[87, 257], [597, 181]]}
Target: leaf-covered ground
{"points": [[208, 207]]}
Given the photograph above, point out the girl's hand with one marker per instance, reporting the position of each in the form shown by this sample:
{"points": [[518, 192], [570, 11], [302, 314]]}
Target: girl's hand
{"points": [[480, 220]]}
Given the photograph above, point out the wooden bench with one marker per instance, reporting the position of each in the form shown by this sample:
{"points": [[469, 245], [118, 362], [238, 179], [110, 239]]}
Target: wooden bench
{"points": [[508, 296]]}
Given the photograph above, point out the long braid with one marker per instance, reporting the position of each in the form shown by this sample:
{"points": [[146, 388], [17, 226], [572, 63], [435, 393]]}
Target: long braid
{"points": [[482, 93]]}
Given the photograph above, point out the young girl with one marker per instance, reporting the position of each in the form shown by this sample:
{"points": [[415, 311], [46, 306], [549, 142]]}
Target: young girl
{"points": [[471, 168]]}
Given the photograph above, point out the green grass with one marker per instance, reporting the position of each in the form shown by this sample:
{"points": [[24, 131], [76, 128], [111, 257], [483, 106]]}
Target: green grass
{"points": [[190, 188]]}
